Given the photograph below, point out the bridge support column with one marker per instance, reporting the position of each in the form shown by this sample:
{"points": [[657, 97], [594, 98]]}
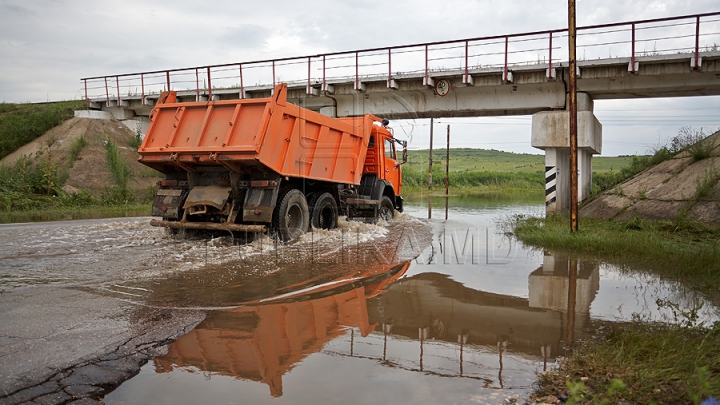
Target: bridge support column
{"points": [[550, 132]]}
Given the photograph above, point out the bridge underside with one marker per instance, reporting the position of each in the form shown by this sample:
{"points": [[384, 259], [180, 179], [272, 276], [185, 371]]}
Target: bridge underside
{"points": [[523, 90]]}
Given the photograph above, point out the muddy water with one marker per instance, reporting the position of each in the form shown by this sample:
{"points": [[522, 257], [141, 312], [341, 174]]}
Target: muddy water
{"points": [[431, 311]]}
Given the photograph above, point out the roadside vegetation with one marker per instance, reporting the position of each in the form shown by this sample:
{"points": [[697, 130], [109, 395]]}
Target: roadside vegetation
{"points": [[689, 140], [482, 171], [640, 362], [31, 188], [22, 123], [471, 182]]}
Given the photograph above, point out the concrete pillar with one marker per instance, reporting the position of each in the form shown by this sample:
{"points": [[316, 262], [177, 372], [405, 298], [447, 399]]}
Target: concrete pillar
{"points": [[550, 132], [329, 111]]}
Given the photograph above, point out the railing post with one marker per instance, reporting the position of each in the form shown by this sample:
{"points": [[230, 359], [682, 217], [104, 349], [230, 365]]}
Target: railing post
{"points": [[167, 77], [242, 87], [273, 69], [427, 73], [697, 42], [466, 61], [389, 79], [550, 73], [107, 94], [505, 68], [197, 85], [117, 85], [358, 86], [142, 88], [309, 84], [632, 50], [210, 96], [87, 100], [324, 82]]}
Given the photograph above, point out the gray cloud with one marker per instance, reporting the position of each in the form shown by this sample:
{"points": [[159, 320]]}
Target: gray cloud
{"points": [[47, 46]]}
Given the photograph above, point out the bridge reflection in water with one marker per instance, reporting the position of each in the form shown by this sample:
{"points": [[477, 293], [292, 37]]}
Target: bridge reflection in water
{"points": [[427, 323]]}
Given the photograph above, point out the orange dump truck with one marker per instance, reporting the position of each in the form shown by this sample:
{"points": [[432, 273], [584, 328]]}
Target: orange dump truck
{"points": [[265, 164]]}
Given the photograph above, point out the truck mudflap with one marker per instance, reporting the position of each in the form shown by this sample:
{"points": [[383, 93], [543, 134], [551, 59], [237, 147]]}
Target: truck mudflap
{"points": [[201, 197], [213, 226], [362, 209]]}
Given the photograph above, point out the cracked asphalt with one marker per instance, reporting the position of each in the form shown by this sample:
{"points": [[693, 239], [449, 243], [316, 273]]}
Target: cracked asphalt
{"points": [[65, 345], [70, 332]]}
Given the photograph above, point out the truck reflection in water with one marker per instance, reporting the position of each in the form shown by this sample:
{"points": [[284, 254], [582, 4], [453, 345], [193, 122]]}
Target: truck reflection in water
{"points": [[427, 323]]}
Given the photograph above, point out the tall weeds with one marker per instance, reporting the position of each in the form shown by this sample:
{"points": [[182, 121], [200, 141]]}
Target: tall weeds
{"points": [[119, 193]]}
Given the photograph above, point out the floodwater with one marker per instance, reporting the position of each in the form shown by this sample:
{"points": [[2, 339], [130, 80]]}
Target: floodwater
{"points": [[418, 310]]}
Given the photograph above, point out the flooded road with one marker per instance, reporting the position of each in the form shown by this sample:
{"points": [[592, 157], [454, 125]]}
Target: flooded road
{"points": [[429, 311]]}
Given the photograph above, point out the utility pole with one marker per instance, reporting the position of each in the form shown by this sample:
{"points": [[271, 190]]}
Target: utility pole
{"points": [[573, 119], [447, 173], [430, 159]]}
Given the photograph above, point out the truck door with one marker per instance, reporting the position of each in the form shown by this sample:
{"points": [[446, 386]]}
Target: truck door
{"points": [[391, 166]]}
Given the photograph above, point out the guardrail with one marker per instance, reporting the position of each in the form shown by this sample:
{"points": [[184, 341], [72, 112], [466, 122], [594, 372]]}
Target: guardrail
{"points": [[688, 34]]}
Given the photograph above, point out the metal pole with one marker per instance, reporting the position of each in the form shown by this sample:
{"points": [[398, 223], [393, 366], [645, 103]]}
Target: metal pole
{"points": [[242, 87], [573, 120], [107, 94], [142, 86], [632, 49], [697, 42], [430, 159], [309, 89], [447, 172], [210, 97], [87, 100], [197, 85], [389, 79]]}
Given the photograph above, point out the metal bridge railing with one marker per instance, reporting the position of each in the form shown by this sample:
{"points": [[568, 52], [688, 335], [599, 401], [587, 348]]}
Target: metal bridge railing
{"points": [[688, 34]]}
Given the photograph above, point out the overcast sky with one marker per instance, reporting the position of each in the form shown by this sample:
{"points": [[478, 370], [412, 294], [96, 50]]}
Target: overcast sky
{"points": [[46, 46]]}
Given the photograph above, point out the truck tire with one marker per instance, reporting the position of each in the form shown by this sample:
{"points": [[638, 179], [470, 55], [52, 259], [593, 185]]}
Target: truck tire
{"points": [[387, 209], [291, 216], [323, 211]]}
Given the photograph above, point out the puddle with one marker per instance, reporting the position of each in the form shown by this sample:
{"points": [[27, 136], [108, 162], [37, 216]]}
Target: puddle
{"points": [[471, 317]]}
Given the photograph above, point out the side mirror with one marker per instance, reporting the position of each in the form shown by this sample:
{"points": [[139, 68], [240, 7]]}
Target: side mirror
{"points": [[404, 155]]}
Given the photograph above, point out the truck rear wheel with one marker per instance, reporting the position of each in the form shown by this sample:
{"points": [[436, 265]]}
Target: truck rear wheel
{"points": [[387, 209], [323, 211], [291, 216]]}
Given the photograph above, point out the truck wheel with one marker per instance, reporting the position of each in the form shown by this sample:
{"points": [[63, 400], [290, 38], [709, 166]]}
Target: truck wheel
{"points": [[323, 211], [387, 209], [291, 216]]}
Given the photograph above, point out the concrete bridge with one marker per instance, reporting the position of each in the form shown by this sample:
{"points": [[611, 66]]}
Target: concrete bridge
{"points": [[518, 74]]}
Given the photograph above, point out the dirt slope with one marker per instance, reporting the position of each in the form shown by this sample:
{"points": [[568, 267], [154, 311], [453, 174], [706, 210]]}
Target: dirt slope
{"points": [[675, 187], [89, 170]]}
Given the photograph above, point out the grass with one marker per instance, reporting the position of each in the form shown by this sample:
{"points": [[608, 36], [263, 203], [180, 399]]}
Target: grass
{"points": [[471, 182], [489, 160], [679, 250], [641, 364], [22, 123]]}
